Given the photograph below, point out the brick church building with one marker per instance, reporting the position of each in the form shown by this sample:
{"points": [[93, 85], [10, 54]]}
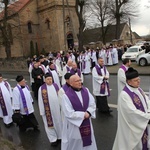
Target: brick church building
{"points": [[48, 24]]}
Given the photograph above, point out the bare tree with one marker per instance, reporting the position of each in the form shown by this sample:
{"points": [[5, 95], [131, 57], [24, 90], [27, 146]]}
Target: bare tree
{"points": [[7, 24], [80, 10], [6, 30], [122, 10], [100, 9]]}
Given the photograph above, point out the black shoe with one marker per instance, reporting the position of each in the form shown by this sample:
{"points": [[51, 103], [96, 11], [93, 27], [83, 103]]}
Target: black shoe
{"points": [[8, 125], [110, 110], [54, 143], [22, 129], [59, 140], [36, 129]]}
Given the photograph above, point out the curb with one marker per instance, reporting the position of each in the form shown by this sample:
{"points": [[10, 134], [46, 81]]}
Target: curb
{"points": [[25, 72]]}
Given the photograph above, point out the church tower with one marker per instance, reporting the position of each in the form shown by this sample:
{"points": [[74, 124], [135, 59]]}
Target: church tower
{"points": [[58, 24]]}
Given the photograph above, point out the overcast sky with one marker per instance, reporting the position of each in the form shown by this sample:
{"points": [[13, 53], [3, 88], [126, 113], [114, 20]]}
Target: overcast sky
{"points": [[141, 24]]}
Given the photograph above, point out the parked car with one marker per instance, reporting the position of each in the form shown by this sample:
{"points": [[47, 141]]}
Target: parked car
{"points": [[143, 59], [133, 52]]}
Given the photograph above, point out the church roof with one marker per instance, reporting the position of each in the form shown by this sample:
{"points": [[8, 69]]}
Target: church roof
{"points": [[15, 7], [94, 35]]}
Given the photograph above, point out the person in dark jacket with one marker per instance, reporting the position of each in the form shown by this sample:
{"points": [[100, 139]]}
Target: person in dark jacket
{"points": [[37, 75]]}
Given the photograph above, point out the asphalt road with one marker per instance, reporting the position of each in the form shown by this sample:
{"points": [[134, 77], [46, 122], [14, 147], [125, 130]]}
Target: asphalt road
{"points": [[104, 125]]}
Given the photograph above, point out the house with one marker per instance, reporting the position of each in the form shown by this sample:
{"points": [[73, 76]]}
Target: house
{"points": [[94, 36], [43, 24]]}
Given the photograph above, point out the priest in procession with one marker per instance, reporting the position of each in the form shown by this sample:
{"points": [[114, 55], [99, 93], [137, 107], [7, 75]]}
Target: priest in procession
{"points": [[78, 106], [50, 109], [6, 110], [133, 132], [23, 104]]}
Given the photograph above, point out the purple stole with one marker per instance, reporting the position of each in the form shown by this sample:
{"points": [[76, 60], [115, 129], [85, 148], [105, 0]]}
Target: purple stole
{"points": [[6, 84], [84, 64], [123, 67], [68, 69], [65, 87], [23, 100], [2, 102], [104, 84], [85, 128], [72, 71], [47, 105], [49, 71], [91, 56], [138, 104]]}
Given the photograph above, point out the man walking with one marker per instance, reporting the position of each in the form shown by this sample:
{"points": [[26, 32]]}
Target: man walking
{"points": [[78, 107], [5, 102], [100, 76], [50, 109], [121, 78], [22, 103], [133, 116]]}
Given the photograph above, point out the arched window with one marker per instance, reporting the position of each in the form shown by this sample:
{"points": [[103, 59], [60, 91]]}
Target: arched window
{"points": [[47, 23], [67, 20], [29, 27]]}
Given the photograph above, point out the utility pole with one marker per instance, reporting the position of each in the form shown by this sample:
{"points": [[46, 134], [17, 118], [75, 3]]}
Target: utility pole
{"points": [[131, 40]]}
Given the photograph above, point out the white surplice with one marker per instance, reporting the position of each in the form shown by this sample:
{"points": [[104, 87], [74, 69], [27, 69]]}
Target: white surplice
{"points": [[97, 80], [108, 58], [121, 79], [7, 94], [30, 73], [52, 133], [87, 61], [102, 55], [59, 65], [17, 100], [115, 55], [131, 122], [71, 137]]}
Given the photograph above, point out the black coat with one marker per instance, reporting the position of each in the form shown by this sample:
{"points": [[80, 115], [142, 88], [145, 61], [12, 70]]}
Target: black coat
{"points": [[37, 72]]}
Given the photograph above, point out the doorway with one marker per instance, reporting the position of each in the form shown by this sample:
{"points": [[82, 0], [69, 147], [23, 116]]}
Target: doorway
{"points": [[70, 41]]}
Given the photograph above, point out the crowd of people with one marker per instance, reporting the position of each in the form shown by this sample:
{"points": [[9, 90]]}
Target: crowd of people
{"points": [[66, 106]]}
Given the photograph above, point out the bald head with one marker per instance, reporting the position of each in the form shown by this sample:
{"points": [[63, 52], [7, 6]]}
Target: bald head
{"points": [[69, 62], [74, 65], [75, 81]]}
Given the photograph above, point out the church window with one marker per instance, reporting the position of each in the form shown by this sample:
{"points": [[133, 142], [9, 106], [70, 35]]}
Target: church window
{"points": [[127, 33], [67, 20], [47, 23], [29, 27]]}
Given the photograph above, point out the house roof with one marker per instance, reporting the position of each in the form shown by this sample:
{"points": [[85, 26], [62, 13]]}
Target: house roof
{"points": [[15, 7], [136, 35], [94, 35]]}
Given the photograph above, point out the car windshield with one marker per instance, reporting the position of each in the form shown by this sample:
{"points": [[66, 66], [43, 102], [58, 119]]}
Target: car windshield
{"points": [[132, 50]]}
